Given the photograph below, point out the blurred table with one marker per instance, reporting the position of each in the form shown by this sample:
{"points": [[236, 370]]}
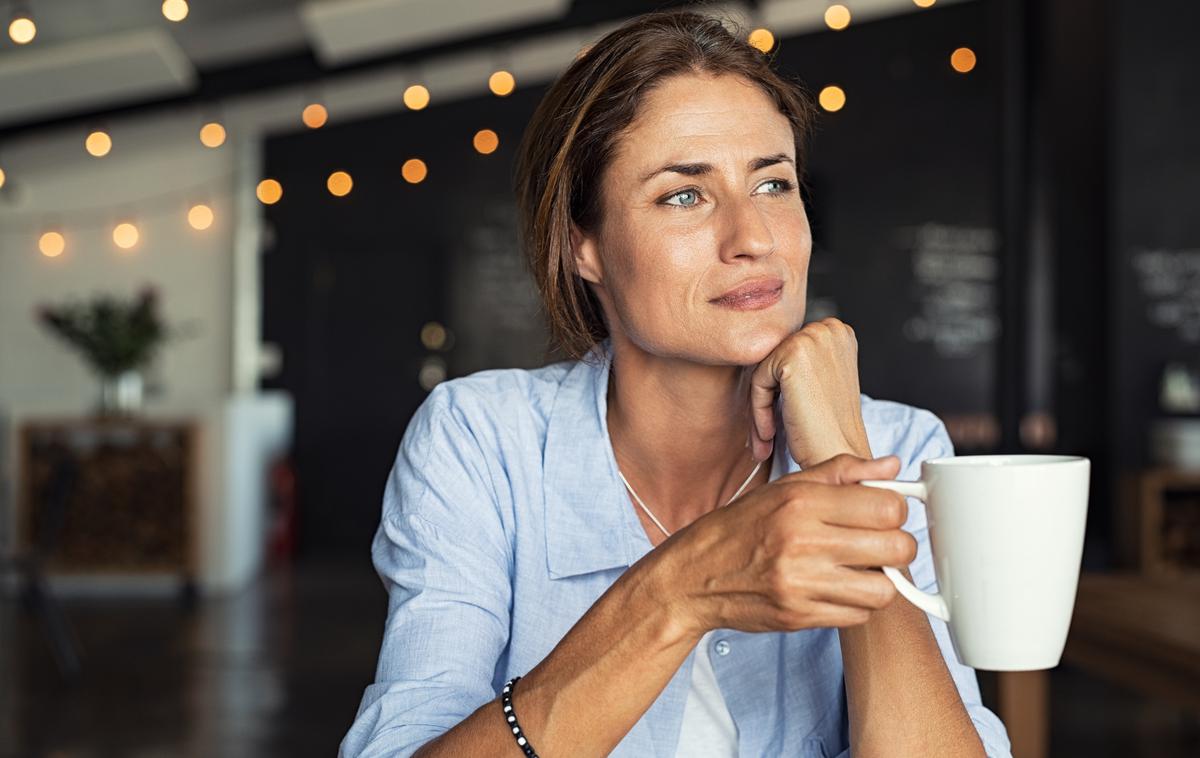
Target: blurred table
{"points": [[1141, 632]]}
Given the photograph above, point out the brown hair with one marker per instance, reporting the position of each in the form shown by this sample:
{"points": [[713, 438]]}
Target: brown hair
{"points": [[571, 138]]}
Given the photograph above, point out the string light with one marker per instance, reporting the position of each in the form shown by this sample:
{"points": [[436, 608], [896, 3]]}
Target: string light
{"points": [[837, 17], [962, 60], [212, 134], [832, 98], [125, 235], [339, 184], [416, 97], [314, 115], [269, 191], [200, 217], [761, 39], [924, 3], [2, 177], [414, 171], [502, 83], [52, 244], [21, 29], [98, 143], [175, 10], [486, 141]]}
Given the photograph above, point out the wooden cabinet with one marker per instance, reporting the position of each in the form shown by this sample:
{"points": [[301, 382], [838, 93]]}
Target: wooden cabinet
{"points": [[128, 502], [1159, 523]]}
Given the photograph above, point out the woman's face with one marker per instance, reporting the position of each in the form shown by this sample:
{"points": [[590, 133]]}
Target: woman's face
{"points": [[701, 197]]}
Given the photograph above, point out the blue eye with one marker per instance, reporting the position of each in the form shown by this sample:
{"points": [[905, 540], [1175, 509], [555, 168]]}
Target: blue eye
{"points": [[784, 186], [683, 193]]}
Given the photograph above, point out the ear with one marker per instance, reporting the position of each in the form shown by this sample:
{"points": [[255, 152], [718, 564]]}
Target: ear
{"points": [[587, 255]]}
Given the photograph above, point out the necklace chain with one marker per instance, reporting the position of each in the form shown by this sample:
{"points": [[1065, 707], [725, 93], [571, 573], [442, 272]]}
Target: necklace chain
{"points": [[658, 523]]}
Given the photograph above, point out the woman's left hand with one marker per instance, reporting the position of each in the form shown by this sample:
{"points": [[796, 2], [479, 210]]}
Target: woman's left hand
{"points": [[816, 370]]}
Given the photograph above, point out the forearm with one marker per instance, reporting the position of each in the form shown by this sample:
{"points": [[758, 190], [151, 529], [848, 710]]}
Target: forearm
{"points": [[900, 696], [901, 700], [593, 687]]}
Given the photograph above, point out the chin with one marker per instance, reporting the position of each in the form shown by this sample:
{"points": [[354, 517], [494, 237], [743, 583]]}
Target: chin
{"points": [[749, 348]]}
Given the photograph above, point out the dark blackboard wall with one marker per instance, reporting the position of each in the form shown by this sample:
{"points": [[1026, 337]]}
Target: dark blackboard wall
{"points": [[349, 282], [1154, 223], [903, 192]]}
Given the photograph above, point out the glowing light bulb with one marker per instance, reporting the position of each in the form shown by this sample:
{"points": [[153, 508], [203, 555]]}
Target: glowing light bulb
{"points": [[175, 10], [52, 244], [832, 98], [269, 191], [125, 235], [837, 17], [314, 115], [762, 39], [501, 83], [486, 141], [212, 134], [98, 143], [339, 183], [416, 97], [200, 217], [414, 171], [962, 60], [21, 29]]}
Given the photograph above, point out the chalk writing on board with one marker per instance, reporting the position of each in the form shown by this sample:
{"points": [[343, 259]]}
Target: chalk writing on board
{"points": [[1170, 284], [954, 286]]}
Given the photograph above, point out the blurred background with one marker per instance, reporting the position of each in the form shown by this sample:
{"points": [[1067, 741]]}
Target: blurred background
{"points": [[241, 240]]}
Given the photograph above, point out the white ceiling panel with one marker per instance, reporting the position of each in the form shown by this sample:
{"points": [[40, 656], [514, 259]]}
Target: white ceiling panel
{"points": [[98, 72], [348, 30]]}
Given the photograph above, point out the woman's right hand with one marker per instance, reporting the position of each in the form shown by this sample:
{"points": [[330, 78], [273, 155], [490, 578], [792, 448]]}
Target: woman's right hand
{"points": [[799, 552]]}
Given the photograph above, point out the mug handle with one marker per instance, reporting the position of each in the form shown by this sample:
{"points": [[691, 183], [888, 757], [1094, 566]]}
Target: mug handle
{"points": [[932, 603]]}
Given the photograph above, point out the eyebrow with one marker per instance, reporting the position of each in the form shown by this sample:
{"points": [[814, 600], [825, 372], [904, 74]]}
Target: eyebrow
{"points": [[700, 169]]}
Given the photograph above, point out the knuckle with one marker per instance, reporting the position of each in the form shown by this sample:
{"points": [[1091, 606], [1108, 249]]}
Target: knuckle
{"points": [[856, 617], [778, 582], [895, 511], [901, 547], [883, 592]]}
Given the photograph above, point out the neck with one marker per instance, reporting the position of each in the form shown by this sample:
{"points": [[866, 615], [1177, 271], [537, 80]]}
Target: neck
{"points": [[679, 431]]}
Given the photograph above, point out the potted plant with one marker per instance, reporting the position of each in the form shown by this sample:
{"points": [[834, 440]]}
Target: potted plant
{"points": [[117, 337]]}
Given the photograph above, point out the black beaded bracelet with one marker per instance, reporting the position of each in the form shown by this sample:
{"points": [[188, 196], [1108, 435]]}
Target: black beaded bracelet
{"points": [[511, 717]]}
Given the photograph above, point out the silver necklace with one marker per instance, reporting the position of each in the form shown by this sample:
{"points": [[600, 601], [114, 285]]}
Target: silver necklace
{"points": [[658, 523]]}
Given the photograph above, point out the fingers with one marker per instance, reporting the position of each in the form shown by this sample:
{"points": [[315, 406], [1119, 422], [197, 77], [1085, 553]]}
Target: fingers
{"points": [[850, 469], [839, 505], [870, 548], [856, 588], [764, 384]]}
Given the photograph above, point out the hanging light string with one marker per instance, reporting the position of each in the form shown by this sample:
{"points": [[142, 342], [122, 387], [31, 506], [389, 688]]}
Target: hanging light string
{"points": [[34, 221]]}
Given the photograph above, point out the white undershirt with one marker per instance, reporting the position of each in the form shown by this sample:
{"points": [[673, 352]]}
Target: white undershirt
{"points": [[708, 729]]}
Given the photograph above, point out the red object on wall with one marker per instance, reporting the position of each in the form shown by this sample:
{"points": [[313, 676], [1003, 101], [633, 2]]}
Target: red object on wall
{"points": [[281, 536]]}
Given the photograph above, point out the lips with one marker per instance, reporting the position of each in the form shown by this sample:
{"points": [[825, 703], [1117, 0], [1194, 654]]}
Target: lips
{"points": [[751, 290]]}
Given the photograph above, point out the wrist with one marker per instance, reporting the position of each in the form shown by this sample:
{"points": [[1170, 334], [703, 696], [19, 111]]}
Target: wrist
{"points": [[660, 590]]}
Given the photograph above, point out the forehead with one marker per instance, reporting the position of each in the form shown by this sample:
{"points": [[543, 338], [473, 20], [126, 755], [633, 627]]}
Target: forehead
{"points": [[692, 116]]}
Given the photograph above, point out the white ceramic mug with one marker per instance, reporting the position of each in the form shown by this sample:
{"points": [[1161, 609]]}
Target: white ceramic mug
{"points": [[1006, 532]]}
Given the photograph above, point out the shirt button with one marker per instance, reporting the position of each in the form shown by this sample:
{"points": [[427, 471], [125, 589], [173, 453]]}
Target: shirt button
{"points": [[722, 647]]}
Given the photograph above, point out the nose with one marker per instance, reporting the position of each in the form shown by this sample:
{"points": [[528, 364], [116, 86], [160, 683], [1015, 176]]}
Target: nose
{"points": [[746, 233]]}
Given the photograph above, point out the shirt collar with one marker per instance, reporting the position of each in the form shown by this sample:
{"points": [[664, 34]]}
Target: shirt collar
{"points": [[586, 525], [588, 518]]}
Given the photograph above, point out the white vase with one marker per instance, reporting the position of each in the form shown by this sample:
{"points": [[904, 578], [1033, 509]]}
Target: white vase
{"points": [[121, 394]]}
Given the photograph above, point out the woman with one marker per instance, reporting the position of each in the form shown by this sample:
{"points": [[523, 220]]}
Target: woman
{"points": [[565, 525]]}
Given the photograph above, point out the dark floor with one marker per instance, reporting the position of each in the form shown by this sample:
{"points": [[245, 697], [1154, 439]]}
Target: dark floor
{"points": [[278, 671]]}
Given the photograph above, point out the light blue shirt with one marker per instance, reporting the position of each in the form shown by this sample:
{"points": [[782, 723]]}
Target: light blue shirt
{"points": [[504, 520]]}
